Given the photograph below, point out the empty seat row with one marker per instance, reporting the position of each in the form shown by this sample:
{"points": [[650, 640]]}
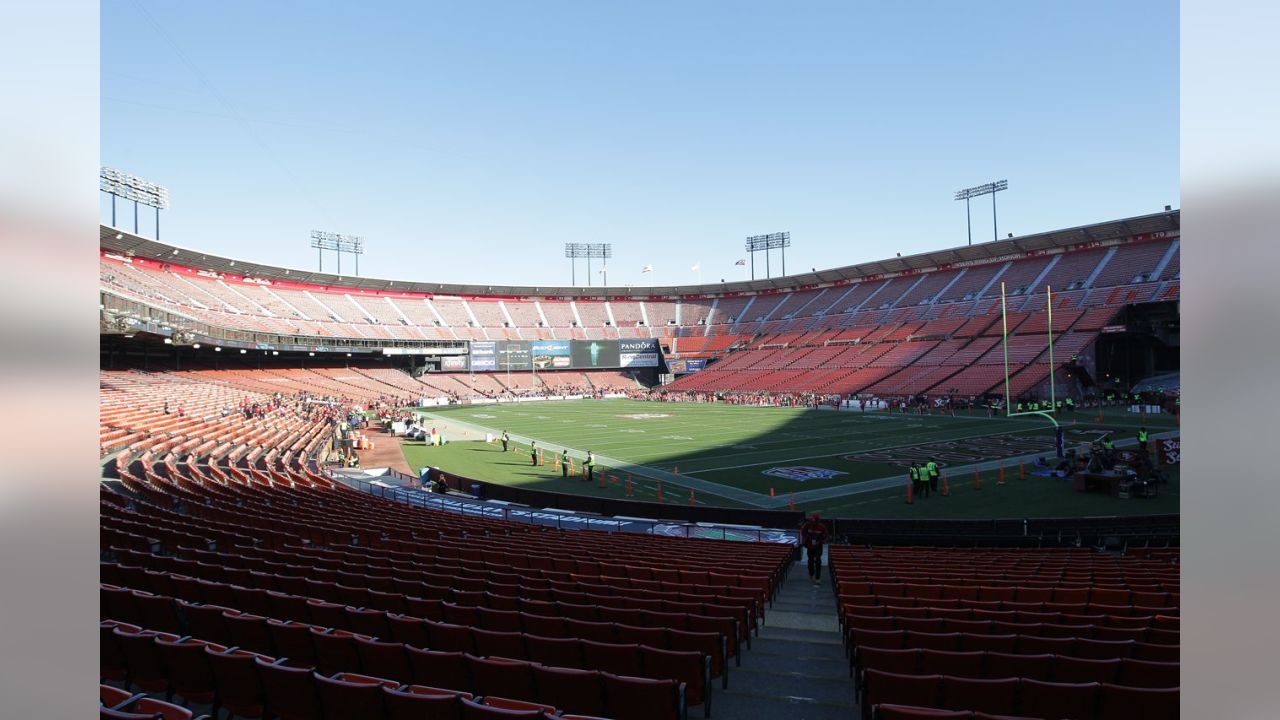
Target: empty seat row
{"points": [[995, 665], [248, 684], [1016, 697], [1012, 643]]}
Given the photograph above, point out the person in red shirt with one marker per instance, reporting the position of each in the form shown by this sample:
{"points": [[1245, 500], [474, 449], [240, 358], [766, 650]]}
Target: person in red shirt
{"points": [[813, 535]]}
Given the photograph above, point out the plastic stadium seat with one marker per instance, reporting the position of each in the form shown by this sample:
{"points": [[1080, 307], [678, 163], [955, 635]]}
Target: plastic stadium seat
{"points": [[372, 623], [189, 673], [612, 658], [956, 664], [926, 625], [335, 651], [472, 710], [710, 644], [1005, 665], [1067, 701], [987, 695], [111, 696], [1161, 636], [499, 620], [145, 666], [502, 703], [236, 677], [111, 662], [1157, 653], [903, 662], [573, 691], [690, 668], [150, 708], [384, 660], [1104, 649], [292, 642], [503, 677], [543, 625], [439, 669], [290, 693], [933, 641], [988, 643], [408, 630], [419, 702], [1146, 674], [650, 636], [450, 638], [327, 614], [557, 652], [601, 632], [501, 644], [1119, 702], [351, 697], [456, 614], [288, 607], [1031, 645], [1084, 670], [205, 621], [156, 612], [896, 689], [631, 698], [907, 712], [870, 622], [424, 608], [249, 632], [1137, 634]]}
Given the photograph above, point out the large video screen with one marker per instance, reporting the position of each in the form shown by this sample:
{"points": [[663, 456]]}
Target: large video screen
{"points": [[513, 355], [550, 354], [589, 354]]}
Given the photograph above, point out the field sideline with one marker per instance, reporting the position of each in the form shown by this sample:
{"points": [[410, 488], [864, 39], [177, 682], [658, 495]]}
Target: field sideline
{"points": [[735, 455]]}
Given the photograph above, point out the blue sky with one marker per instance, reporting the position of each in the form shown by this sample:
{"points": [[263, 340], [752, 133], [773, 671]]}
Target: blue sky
{"points": [[468, 141]]}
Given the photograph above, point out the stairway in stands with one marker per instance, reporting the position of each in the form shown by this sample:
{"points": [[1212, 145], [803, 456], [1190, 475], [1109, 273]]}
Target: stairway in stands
{"points": [[796, 669]]}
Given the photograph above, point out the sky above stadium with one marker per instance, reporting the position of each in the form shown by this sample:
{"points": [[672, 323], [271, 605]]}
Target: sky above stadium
{"points": [[468, 141]]}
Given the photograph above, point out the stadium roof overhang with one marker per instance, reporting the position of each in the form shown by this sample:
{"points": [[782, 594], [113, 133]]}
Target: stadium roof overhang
{"points": [[122, 242]]}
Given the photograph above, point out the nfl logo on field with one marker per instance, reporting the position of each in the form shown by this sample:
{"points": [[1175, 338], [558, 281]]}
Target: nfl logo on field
{"points": [[800, 473]]}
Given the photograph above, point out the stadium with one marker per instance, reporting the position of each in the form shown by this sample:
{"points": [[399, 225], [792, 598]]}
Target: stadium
{"points": [[946, 483]]}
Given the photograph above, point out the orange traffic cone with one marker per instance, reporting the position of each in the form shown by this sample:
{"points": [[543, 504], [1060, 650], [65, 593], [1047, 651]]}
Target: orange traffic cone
{"points": [[793, 502], [675, 470], [946, 489], [691, 500], [770, 492], [555, 462], [910, 499], [659, 491], [1022, 471], [1000, 480], [977, 480]]}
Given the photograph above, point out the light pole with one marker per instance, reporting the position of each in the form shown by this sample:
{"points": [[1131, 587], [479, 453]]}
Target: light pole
{"points": [[131, 187], [353, 244], [573, 251], [991, 189], [756, 243]]}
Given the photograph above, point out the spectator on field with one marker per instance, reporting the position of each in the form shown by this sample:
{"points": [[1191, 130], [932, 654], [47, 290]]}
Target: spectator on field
{"points": [[813, 535]]}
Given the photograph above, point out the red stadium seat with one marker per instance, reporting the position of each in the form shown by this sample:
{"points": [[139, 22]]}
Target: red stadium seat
{"points": [[630, 698], [1119, 702], [419, 702], [1068, 701], [573, 691], [988, 695]]}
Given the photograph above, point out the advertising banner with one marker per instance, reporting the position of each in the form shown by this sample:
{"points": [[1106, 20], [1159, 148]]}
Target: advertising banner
{"points": [[590, 354], [484, 355], [694, 365], [1170, 451], [550, 354], [453, 363], [676, 367], [638, 353], [513, 355]]}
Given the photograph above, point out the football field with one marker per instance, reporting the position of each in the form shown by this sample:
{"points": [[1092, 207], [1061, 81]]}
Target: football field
{"points": [[740, 456]]}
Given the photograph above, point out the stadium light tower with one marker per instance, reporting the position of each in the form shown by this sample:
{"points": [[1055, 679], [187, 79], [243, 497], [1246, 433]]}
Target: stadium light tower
{"points": [[573, 251], [131, 187], [756, 243], [991, 189], [354, 244]]}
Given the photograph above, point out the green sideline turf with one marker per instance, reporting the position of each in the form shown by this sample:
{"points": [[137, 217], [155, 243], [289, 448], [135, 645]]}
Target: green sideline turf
{"points": [[735, 446]]}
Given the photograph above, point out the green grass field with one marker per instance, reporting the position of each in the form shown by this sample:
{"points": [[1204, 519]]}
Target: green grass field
{"points": [[837, 462]]}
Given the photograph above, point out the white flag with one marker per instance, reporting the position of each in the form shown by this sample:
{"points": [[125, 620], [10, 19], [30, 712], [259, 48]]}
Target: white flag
{"points": [[696, 267], [743, 261], [646, 268]]}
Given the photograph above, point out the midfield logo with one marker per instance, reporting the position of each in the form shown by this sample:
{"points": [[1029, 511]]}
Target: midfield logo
{"points": [[644, 416], [800, 473]]}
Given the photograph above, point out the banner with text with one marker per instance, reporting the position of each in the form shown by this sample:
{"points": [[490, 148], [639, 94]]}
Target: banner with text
{"points": [[484, 355], [550, 354], [638, 353]]}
